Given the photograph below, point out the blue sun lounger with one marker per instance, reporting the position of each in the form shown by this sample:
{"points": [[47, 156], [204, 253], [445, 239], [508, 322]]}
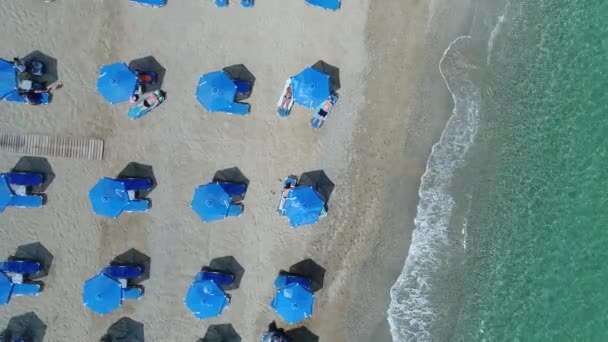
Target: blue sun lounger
{"points": [[20, 266], [221, 279], [151, 3], [123, 272], [13, 190], [331, 5], [9, 288]]}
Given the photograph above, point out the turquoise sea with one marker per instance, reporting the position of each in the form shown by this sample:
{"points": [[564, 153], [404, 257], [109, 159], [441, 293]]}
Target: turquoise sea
{"points": [[511, 236]]}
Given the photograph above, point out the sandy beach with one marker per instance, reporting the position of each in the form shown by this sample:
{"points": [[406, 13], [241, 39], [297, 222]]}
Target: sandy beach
{"points": [[374, 146]]}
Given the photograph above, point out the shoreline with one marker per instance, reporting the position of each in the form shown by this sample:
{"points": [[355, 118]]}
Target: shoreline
{"points": [[386, 183]]}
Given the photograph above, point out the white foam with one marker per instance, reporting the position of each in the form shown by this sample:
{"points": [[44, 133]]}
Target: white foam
{"points": [[495, 31], [411, 312]]}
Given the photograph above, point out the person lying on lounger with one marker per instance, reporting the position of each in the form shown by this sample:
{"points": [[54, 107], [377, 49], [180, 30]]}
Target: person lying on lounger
{"points": [[144, 105], [287, 98], [284, 194], [322, 113]]}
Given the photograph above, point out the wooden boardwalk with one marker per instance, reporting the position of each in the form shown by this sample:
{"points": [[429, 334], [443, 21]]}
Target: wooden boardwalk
{"points": [[42, 145]]}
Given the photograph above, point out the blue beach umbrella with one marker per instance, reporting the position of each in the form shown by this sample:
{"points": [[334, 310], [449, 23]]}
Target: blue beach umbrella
{"points": [[332, 5], [310, 88], [216, 92], [6, 289], [102, 294], [109, 197], [303, 206], [8, 79], [293, 303], [116, 82], [206, 299], [211, 202]]}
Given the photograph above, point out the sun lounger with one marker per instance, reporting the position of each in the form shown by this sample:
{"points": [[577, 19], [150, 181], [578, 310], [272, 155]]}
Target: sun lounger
{"points": [[233, 189], [235, 210], [20, 267], [26, 289], [320, 115], [284, 280], [137, 184], [151, 3], [25, 179], [31, 201], [288, 184], [285, 102], [222, 279], [132, 293], [137, 206], [138, 110], [242, 87], [238, 108], [123, 271]]}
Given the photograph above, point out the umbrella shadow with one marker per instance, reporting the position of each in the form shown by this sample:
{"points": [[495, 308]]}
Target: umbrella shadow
{"points": [[27, 327], [38, 253], [278, 332], [221, 333], [133, 257], [311, 270], [319, 181], [137, 170], [330, 70], [302, 334], [124, 330], [229, 265], [150, 63], [239, 72], [232, 175], [50, 65], [39, 165]]}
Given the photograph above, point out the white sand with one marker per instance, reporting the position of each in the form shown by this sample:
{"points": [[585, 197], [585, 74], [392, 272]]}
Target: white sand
{"points": [[376, 158], [183, 143]]}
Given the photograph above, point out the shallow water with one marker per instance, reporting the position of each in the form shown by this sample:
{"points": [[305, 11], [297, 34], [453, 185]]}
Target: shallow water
{"points": [[510, 226]]}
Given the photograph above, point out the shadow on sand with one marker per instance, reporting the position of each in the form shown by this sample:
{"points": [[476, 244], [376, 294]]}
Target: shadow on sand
{"points": [[35, 252], [221, 333], [150, 63], [133, 257], [124, 330], [333, 73], [228, 264], [319, 181], [27, 327]]}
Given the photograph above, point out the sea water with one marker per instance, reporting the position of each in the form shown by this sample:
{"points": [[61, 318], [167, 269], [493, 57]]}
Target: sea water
{"points": [[511, 232]]}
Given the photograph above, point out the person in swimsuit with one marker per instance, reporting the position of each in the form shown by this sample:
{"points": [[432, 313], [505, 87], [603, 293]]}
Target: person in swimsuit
{"points": [[322, 113], [287, 98]]}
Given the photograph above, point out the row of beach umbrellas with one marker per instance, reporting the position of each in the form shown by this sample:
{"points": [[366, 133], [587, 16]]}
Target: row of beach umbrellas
{"points": [[331, 5], [216, 91], [206, 296], [213, 201]]}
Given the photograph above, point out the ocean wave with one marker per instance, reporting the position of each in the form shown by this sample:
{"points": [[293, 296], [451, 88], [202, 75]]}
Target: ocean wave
{"points": [[411, 312]]}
